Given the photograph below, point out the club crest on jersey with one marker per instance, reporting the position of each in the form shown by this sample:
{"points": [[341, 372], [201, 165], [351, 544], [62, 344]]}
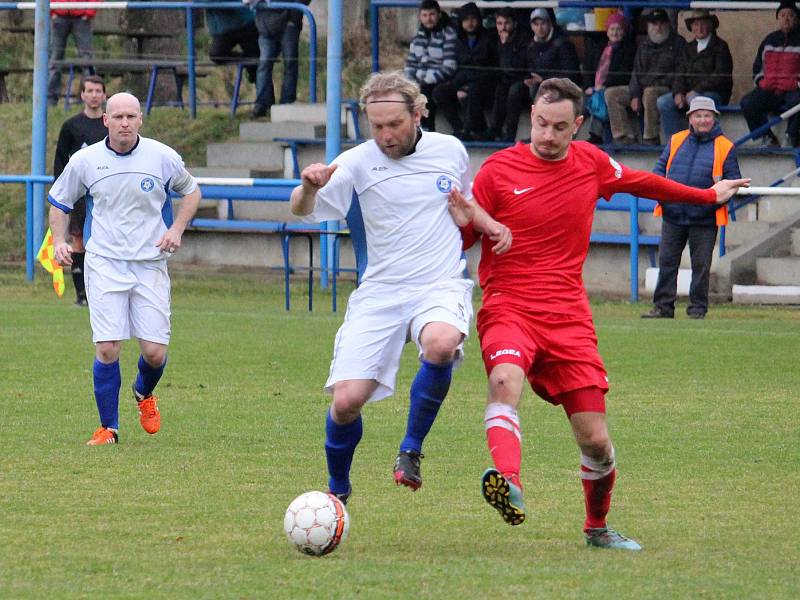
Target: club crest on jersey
{"points": [[148, 184], [443, 184], [617, 168]]}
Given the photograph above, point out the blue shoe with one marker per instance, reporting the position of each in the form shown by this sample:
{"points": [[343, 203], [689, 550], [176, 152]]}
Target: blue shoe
{"points": [[605, 537], [504, 495]]}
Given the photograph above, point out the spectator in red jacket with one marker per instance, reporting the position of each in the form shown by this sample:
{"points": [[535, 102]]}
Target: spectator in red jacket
{"points": [[64, 22], [776, 72]]}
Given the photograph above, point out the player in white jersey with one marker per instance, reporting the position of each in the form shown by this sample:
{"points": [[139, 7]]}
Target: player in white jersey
{"points": [[413, 288], [126, 181]]}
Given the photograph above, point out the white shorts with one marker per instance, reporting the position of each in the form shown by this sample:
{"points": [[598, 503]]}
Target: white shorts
{"points": [[381, 319], [127, 298]]}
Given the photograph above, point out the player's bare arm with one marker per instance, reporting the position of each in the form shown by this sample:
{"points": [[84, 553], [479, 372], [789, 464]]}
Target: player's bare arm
{"points": [[727, 188], [171, 240], [59, 220], [313, 178], [466, 211]]}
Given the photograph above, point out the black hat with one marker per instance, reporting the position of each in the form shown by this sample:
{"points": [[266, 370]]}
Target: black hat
{"points": [[657, 15], [429, 5], [787, 4], [470, 9]]}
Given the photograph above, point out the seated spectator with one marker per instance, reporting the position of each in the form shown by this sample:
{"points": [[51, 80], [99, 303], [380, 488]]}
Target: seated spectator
{"points": [[608, 68], [510, 42], [471, 84], [776, 73], [653, 73], [230, 28], [431, 56], [278, 35], [549, 54], [705, 67], [66, 22]]}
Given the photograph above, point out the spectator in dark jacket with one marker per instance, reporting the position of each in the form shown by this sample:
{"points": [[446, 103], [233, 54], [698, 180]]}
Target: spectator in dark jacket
{"points": [[776, 73], [607, 68], [230, 28], [549, 54], [510, 42], [278, 35], [431, 56], [471, 84], [699, 158], [705, 69], [653, 73]]}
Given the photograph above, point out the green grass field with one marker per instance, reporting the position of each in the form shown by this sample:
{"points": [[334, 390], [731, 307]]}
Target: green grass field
{"points": [[705, 417]]}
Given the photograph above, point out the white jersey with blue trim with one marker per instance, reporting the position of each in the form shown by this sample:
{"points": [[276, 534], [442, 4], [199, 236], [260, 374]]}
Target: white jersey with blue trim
{"points": [[128, 207], [411, 237]]}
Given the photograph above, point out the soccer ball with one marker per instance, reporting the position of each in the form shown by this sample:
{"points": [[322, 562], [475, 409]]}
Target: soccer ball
{"points": [[316, 523]]}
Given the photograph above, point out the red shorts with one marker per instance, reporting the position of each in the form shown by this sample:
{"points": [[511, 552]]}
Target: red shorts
{"points": [[558, 354]]}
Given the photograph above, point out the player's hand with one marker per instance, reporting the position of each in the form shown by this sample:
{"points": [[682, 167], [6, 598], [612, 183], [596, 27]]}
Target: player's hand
{"points": [[170, 241], [726, 188], [500, 234], [315, 176], [63, 254], [461, 209]]}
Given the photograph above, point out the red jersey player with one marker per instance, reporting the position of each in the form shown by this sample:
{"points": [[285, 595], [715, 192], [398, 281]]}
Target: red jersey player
{"points": [[535, 322]]}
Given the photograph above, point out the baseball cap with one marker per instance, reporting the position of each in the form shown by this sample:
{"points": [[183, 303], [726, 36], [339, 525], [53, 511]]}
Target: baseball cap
{"points": [[656, 15], [540, 13]]}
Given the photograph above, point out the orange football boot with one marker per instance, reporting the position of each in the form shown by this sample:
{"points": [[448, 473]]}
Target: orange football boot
{"points": [[103, 436], [149, 416]]}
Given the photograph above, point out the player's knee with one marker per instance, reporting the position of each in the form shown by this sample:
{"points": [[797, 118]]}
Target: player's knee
{"points": [[442, 347], [154, 355], [107, 352], [597, 444], [504, 384], [347, 404]]}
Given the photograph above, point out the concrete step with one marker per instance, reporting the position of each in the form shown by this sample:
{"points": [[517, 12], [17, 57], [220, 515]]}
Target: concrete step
{"points": [[236, 172], [795, 248], [766, 294], [316, 114], [783, 270], [741, 232], [774, 209], [258, 131], [264, 156]]}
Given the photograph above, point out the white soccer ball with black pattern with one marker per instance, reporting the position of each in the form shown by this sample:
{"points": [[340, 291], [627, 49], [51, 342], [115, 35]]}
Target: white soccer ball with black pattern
{"points": [[316, 523]]}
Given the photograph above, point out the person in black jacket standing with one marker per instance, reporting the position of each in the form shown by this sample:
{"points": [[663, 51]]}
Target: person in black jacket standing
{"points": [[84, 129], [510, 42], [471, 83], [549, 54], [609, 66]]}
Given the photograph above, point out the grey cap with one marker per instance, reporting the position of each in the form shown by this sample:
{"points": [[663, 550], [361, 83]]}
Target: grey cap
{"points": [[540, 13], [702, 103]]}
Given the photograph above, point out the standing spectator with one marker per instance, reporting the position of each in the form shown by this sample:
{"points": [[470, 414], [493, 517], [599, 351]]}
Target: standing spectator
{"points": [[84, 129], [776, 73], [472, 82], [230, 28], [704, 69], [653, 73], [549, 54], [278, 35], [698, 157], [608, 69], [78, 23], [431, 56], [510, 43], [133, 233]]}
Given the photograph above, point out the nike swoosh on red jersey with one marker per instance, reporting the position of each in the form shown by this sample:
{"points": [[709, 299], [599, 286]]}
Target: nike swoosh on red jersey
{"points": [[522, 191]]}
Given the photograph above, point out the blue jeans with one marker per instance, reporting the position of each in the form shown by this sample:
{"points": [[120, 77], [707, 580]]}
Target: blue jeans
{"points": [[674, 120], [270, 48], [60, 28]]}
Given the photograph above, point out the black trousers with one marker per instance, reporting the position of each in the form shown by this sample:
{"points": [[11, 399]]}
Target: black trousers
{"points": [[222, 49], [701, 239], [520, 97], [445, 96]]}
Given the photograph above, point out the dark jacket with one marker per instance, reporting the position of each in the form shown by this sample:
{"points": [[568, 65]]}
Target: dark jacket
{"points": [[706, 71], [273, 21], [619, 71], [692, 166], [476, 57], [511, 55], [555, 57], [222, 20], [655, 64], [777, 63]]}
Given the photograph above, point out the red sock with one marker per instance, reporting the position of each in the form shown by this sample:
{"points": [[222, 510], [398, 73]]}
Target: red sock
{"points": [[597, 493], [503, 437]]}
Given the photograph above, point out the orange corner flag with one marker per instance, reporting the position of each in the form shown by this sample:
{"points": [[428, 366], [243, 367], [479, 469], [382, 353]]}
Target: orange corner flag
{"points": [[46, 256]]}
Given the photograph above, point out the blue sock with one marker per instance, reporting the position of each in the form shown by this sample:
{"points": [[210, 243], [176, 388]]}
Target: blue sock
{"points": [[428, 391], [340, 445], [148, 377], [107, 380]]}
